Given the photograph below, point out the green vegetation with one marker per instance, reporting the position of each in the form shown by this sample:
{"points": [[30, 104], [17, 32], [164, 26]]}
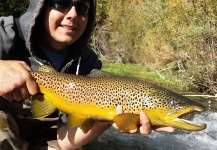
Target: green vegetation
{"points": [[177, 38], [13, 7], [146, 73]]}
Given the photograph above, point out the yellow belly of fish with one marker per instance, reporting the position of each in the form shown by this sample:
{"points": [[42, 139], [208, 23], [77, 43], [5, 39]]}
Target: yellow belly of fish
{"points": [[90, 110]]}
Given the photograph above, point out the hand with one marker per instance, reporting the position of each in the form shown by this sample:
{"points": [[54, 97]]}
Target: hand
{"points": [[16, 81], [145, 127]]}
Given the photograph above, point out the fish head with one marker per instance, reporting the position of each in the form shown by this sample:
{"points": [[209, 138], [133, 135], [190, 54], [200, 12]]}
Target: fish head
{"points": [[169, 109]]}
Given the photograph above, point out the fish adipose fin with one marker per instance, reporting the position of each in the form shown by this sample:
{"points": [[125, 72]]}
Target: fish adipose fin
{"points": [[126, 122], [83, 122], [41, 106]]}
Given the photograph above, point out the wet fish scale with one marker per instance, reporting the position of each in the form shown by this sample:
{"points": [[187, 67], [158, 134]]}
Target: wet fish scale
{"points": [[70, 87], [107, 92], [96, 96]]}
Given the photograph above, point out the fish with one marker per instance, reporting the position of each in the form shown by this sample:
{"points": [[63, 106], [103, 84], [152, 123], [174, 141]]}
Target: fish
{"points": [[87, 98]]}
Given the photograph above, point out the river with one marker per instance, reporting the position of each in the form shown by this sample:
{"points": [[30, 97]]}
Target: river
{"points": [[179, 140]]}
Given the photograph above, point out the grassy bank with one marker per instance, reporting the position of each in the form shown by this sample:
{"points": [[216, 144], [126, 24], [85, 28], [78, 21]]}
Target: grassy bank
{"points": [[167, 79]]}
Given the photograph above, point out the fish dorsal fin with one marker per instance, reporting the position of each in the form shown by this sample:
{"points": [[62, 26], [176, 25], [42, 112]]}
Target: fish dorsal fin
{"points": [[46, 68], [126, 122], [41, 106], [99, 73]]}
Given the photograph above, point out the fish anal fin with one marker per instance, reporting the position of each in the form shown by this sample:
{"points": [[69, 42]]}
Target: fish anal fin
{"points": [[126, 122], [86, 125], [75, 120], [41, 106]]}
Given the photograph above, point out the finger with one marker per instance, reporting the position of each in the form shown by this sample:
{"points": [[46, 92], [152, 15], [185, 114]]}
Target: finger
{"points": [[137, 130], [16, 95], [164, 129], [9, 97], [115, 126], [119, 110], [25, 66], [146, 125], [31, 85], [25, 93]]}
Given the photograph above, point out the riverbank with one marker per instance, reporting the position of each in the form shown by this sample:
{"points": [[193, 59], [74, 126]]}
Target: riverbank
{"points": [[165, 78]]}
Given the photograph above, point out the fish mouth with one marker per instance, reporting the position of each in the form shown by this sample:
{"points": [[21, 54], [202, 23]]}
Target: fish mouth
{"points": [[180, 119]]}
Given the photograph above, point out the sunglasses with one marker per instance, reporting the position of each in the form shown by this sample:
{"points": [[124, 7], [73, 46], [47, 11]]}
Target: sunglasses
{"points": [[82, 7]]}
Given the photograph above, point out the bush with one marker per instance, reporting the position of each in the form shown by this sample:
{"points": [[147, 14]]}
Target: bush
{"points": [[13, 7], [163, 33]]}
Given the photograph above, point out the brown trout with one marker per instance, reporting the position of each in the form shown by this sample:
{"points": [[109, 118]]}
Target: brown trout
{"points": [[96, 96]]}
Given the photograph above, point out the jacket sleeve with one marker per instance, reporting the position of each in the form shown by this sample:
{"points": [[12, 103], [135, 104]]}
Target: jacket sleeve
{"points": [[7, 36]]}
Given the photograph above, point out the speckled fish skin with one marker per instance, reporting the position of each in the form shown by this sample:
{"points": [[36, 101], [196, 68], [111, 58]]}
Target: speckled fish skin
{"points": [[96, 97]]}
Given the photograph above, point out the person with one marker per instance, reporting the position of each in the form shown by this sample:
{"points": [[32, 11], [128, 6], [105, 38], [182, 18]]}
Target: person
{"points": [[55, 33]]}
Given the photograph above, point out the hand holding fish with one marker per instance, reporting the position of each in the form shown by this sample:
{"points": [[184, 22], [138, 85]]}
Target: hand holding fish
{"points": [[16, 81], [145, 127]]}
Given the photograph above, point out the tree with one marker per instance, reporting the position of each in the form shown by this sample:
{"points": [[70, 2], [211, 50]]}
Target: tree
{"points": [[13, 7]]}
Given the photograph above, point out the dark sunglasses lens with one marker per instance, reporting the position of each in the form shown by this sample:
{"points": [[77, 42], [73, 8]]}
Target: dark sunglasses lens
{"points": [[82, 8], [61, 5]]}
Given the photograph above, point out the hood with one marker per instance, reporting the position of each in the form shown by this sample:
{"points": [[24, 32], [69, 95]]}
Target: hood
{"points": [[27, 23]]}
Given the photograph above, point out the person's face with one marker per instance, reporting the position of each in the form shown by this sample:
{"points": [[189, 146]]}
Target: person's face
{"points": [[63, 28]]}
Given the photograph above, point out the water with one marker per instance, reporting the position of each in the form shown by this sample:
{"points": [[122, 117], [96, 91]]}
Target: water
{"points": [[179, 140]]}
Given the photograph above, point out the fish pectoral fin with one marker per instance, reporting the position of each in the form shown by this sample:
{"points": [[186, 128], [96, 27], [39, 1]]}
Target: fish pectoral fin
{"points": [[41, 106], [86, 125], [126, 122], [75, 120]]}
